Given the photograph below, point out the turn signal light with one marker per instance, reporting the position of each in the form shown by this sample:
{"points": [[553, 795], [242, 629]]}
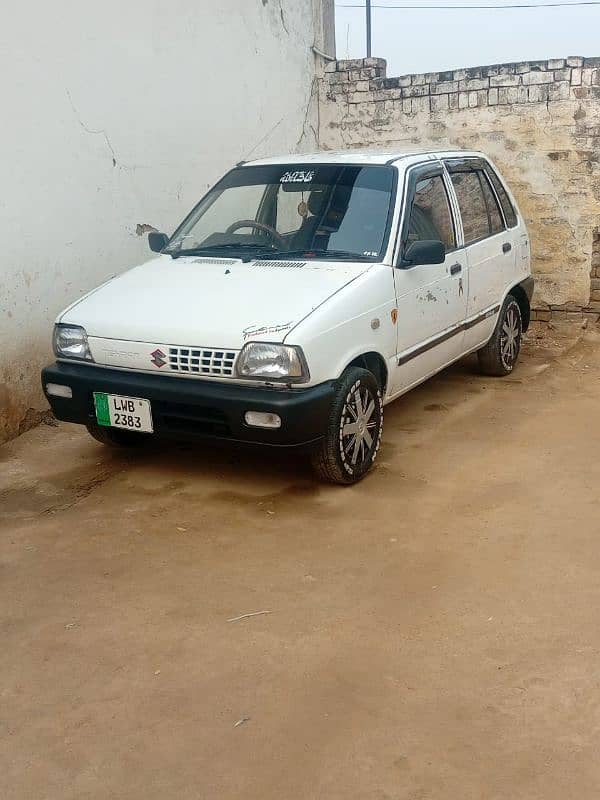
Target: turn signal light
{"points": [[57, 390], [262, 419]]}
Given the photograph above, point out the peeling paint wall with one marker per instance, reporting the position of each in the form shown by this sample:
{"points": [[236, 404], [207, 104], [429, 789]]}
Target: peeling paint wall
{"points": [[116, 118], [539, 121]]}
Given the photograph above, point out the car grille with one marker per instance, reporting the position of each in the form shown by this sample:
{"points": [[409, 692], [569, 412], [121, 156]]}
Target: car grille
{"points": [[199, 361]]}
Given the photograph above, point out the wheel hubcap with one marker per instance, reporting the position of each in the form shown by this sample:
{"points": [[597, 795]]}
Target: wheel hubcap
{"points": [[359, 426], [509, 341]]}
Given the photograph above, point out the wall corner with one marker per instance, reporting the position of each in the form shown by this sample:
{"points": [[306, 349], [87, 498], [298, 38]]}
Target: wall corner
{"points": [[327, 15]]}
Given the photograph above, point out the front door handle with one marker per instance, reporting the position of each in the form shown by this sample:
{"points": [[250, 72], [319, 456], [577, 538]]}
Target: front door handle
{"points": [[506, 247], [455, 269]]}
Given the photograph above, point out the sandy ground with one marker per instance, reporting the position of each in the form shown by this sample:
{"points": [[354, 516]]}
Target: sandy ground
{"points": [[433, 631]]}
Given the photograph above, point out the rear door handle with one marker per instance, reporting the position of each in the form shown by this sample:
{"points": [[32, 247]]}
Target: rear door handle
{"points": [[455, 269], [506, 247]]}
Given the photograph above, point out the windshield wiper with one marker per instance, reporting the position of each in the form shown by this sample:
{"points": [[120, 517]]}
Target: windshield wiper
{"points": [[308, 252], [217, 248]]}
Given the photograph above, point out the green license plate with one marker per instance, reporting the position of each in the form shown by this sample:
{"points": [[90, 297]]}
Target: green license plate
{"points": [[127, 413]]}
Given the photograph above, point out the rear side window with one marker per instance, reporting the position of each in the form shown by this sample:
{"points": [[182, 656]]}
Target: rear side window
{"points": [[507, 206], [473, 209], [493, 209], [430, 216]]}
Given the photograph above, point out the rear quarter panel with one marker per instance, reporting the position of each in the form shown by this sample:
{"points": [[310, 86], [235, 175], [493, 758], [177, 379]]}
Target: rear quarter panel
{"points": [[520, 235], [521, 243]]}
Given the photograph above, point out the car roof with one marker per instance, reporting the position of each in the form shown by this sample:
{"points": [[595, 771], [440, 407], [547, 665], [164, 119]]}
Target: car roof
{"points": [[361, 157]]}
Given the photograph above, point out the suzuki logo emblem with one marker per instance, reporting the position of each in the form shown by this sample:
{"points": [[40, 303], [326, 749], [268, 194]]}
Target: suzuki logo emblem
{"points": [[158, 358]]}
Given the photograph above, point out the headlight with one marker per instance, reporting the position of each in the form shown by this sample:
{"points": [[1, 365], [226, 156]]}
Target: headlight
{"points": [[275, 362], [70, 341]]}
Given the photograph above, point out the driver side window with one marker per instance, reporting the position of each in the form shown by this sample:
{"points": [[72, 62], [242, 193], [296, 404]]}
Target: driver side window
{"points": [[430, 215]]}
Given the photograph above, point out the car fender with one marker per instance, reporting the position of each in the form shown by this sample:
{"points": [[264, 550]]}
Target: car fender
{"points": [[358, 319]]}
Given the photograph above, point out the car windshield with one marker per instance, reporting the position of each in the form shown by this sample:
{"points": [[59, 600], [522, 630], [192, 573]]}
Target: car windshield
{"points": [[331, 211]]}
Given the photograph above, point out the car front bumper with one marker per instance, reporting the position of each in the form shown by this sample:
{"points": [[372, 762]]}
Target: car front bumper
{"points": [[185, 408]]}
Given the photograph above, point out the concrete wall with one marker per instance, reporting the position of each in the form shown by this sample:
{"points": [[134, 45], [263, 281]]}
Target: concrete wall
{"points": [[540, 122], [122, 114]]}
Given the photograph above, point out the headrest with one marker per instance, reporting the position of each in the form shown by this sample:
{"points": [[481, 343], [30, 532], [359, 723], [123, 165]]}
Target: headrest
{"points": [[316, 201]]}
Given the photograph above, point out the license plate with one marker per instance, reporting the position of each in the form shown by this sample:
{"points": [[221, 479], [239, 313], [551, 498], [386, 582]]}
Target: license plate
{"points": [[128, 413]]}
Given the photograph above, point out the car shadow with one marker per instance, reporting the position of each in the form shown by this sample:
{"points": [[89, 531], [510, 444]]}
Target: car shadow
{"points": [[228, 461]]}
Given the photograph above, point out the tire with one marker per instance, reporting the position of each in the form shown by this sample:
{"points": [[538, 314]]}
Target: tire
{"points": [[500, 354], [114, 437], [346, 453]]}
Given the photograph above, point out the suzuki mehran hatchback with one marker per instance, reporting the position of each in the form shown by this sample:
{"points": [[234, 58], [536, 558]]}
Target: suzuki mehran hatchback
{"points": [[296, 299]]}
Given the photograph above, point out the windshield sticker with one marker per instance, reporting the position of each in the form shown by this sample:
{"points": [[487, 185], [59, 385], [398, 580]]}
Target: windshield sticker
{"points": [[298, 176], [262, 330]]}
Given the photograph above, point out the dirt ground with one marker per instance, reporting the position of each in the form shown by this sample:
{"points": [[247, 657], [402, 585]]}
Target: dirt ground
{"points": [[433, 631]]}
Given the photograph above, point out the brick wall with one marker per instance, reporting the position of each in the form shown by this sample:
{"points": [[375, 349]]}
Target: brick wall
{"points": [[575, 312], [364, 80], [538, 120]]}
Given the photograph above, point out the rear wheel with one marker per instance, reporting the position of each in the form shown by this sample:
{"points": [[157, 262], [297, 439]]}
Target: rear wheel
{"points": [[114, 437], [354, 428], [500, 354]]}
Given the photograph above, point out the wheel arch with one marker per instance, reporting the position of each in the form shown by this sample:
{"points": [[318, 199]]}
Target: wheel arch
{"points": [[375, 363], [520, 296]]}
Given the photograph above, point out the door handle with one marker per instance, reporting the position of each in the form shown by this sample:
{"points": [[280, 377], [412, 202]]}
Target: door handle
{"points": [[455, 269], [506, 247]]}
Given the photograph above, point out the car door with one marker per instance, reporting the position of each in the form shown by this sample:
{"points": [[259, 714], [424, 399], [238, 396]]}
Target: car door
{"points": [[490, 251], [431, 298]]}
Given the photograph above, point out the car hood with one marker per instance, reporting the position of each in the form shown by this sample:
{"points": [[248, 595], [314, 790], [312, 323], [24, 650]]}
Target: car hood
{"points": [[210, 302]]}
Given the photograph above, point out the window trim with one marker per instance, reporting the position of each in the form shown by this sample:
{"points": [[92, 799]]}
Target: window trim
{"points": [[489, 234], [489, 170], [482, 176], [466, 164], [476, 164], [414, 174]]}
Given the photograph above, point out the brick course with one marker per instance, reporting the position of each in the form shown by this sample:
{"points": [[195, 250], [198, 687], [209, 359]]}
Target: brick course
{"points": [[550, 80]]}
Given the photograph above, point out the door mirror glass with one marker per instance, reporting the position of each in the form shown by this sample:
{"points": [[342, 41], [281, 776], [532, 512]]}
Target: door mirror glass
{"points": [[425, 251], [157, 241]]}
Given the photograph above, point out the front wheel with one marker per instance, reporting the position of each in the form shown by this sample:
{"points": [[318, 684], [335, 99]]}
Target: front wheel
{"points": [[353, 435], [500, 354]]}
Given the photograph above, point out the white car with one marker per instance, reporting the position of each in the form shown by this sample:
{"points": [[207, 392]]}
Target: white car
{"points": [[299, 297]]}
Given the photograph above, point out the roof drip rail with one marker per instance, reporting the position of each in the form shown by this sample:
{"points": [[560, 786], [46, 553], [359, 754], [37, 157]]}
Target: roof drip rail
{"points": [[404, 155]]}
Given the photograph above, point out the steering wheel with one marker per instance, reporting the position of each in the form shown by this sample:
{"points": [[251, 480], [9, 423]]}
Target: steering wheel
{"points": [[259, 226]]}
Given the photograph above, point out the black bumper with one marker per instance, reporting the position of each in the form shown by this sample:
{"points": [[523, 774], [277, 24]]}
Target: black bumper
{"points": [[187, 408]]}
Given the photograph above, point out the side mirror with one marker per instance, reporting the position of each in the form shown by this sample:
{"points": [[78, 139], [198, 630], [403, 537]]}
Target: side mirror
{"points": [[157, 241], [426, 251]]}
